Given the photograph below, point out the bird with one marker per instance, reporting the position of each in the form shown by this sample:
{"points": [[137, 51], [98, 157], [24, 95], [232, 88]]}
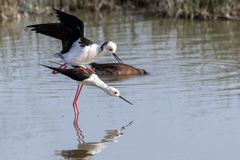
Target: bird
{"points": [[85, 76], [116, 69], [76, 50]]}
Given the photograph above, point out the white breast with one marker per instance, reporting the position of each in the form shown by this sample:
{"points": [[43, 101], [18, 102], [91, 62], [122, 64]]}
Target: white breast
{"points": [[79, 55]]}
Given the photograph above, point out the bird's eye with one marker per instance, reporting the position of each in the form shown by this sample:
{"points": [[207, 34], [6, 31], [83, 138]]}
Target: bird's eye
{"points": [[115, 93], [110, 49]]}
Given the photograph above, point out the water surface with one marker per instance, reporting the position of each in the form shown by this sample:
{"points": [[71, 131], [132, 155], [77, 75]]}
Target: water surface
{"points": [[186, 108]]}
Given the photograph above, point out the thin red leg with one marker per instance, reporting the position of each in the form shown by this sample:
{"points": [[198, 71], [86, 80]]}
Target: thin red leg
{"points": [[63, 66], [91, 69], [76, 114]]}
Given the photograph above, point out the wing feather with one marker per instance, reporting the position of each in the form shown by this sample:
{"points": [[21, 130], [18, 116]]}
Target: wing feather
{"points": [[55, 30]]}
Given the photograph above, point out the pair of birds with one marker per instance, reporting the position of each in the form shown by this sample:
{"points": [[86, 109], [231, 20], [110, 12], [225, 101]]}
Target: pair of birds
{"points": [[78, 51]]}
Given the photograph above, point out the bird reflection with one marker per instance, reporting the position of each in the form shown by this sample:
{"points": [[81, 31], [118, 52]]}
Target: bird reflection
{"points": [[86, 150], [77, 128]]}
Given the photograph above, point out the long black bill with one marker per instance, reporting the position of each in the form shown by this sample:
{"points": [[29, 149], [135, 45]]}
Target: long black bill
{"points": [[117, 58], [125, 100]]}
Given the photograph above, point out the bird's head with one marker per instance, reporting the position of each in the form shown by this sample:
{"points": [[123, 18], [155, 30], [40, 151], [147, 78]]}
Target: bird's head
{"points": [[115, 92], [110, 47]]}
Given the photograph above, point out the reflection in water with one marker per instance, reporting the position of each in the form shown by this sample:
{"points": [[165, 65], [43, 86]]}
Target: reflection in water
{"points": [[86, 150], [192, 92], [78, 130]]}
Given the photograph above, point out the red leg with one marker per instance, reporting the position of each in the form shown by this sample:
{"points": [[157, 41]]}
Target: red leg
{"points": [[63, 66], [76, 114], [91, 69], [75, 105], [86, 70]]}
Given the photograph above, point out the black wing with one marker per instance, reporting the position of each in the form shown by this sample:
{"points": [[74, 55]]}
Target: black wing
{"points": [[55, 30], [86, 42], [71, 21], [74, 73], [68, 30]]}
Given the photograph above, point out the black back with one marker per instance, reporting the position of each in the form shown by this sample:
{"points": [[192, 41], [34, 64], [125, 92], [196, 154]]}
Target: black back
{"points": [[74, 73]]}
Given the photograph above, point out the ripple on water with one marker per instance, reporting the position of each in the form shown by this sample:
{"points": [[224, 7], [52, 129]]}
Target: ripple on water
{"points": [[190, 95]]}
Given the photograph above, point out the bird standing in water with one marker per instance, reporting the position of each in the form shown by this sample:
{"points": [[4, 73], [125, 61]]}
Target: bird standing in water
{"points": [[85, 76], [76, 49]]}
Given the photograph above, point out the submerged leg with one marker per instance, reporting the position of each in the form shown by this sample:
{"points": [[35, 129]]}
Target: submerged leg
{"points": [[75, 105], [76, 114], [63, 66]]}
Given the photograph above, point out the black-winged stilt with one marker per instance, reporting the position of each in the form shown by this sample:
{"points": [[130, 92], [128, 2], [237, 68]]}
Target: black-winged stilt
{"points": [[76, 49], [85, 76]]}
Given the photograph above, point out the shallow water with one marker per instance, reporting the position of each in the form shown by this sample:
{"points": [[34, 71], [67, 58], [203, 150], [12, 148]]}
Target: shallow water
{"points": [[186, 108]]}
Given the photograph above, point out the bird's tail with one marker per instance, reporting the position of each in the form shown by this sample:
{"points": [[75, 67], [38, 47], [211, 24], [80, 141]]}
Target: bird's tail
{"points": [[60, 70], [74, 73]]}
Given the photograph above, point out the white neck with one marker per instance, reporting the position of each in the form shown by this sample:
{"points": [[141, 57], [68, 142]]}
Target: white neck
{"points": [[94, 51], [100, 84], [97, 49]]}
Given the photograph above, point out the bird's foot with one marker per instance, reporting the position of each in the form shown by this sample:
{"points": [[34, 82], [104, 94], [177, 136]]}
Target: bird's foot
{"points": [[90, 69], [62, 66], [86, 70]]}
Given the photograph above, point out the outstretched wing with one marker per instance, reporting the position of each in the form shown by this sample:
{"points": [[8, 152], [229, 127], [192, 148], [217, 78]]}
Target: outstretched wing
{"points": [[71, 21], [68, 30], [55, 30], [76, 26]]}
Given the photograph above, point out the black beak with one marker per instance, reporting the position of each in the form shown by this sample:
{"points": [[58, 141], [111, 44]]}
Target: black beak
{"points": [[125, 100], [117, 58]]}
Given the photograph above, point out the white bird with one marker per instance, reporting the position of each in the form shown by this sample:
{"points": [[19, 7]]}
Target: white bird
{"points": [[85, 76], [76, 49]]}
